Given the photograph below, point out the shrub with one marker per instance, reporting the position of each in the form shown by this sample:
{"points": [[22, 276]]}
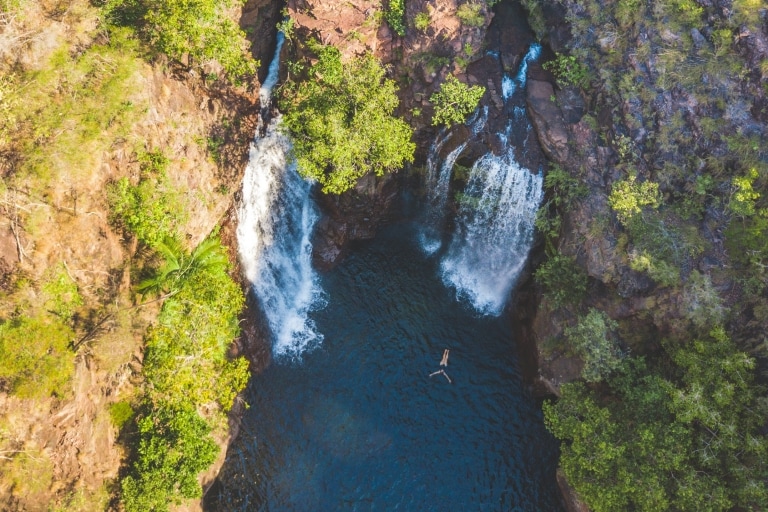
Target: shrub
{"points": [[688, 439], [175, 445], [395, 16], [564, 282], [454, 101], [198, 28], [421, 21], [470, 14], [120, 413], [341, 124], [152, 209], [568, 71], [628, 197], [594, 341], [186, 370]]}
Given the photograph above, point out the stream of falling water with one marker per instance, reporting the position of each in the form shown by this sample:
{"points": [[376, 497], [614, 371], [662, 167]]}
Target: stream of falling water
{"points": [[494, 226], [276, 217]]}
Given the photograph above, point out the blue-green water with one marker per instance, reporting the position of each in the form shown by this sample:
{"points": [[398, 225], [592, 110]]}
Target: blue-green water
{"points": [[358, 424]]}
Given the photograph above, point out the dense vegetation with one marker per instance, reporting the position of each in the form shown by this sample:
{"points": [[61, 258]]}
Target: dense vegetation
{"points": [[190, 381], [340, 121], [199, 29], [63, 112], [670, 410]]}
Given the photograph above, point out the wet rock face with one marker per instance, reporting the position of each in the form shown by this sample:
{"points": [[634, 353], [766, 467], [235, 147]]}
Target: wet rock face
{"points": [[355, 215]]}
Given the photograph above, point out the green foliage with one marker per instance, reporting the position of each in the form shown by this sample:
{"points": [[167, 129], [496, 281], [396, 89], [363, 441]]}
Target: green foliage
{"points": [[120, 413], [628, 197], [60, 291], [744, 196], [594, 340], [186, 370], [565, 188], [395, 16], [454, 101], [185, 359], [341, 123], [177, 264], [563, 280], [287, 26], [688, 440], [421, 21], [198, 28], [35, 360], [152, 209], [568, 71], [470, 14], [175, 445], [701, 301]]}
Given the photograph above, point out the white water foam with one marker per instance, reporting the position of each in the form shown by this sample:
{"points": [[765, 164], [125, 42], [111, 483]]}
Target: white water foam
{"points": [[510, 85], [494, 232], [275, 222]]}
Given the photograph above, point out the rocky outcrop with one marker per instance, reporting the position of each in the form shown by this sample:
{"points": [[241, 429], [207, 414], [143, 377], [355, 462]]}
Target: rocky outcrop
{"points": [[547, 119]]}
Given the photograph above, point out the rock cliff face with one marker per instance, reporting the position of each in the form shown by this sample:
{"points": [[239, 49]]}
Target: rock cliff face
{"points": [[63, 452], [638, 117]]}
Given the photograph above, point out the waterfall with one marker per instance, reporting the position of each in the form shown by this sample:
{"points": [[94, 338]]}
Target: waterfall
{"points": [[494, 225], [276, 217], [265, 93], [439, 180]]}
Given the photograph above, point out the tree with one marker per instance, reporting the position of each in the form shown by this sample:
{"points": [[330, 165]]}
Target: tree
{"points": [[174, 446], [198, 28], [688, 439], [340, 121], [454, 101]]}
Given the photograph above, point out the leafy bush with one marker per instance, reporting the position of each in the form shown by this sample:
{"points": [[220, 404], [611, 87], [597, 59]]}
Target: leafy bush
{"points": [[198, 28], [186, 369], [120, 413], [470, 14], [341, 124], [568, 71], [175, 445], [702, 303], [594, 341], [395, 16], [421, 21], [152, 209], [564, 282], [628, 197], [454, 101]]}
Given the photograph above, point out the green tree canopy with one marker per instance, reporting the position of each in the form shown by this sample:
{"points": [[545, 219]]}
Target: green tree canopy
{"points": [[687, 439], [454, 101], [340, 121]]}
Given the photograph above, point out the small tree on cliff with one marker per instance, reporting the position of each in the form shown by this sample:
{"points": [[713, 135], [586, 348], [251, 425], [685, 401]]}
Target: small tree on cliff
{"points": [[340, 121], [454, 101]]}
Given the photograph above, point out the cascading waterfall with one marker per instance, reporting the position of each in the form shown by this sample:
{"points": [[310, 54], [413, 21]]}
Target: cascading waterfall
{"points": [[494, 225], [439, 180], [276, 217]]}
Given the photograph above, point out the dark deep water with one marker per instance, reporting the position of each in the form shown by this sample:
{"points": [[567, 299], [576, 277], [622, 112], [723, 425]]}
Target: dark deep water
{"points": [[359, 424]]}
